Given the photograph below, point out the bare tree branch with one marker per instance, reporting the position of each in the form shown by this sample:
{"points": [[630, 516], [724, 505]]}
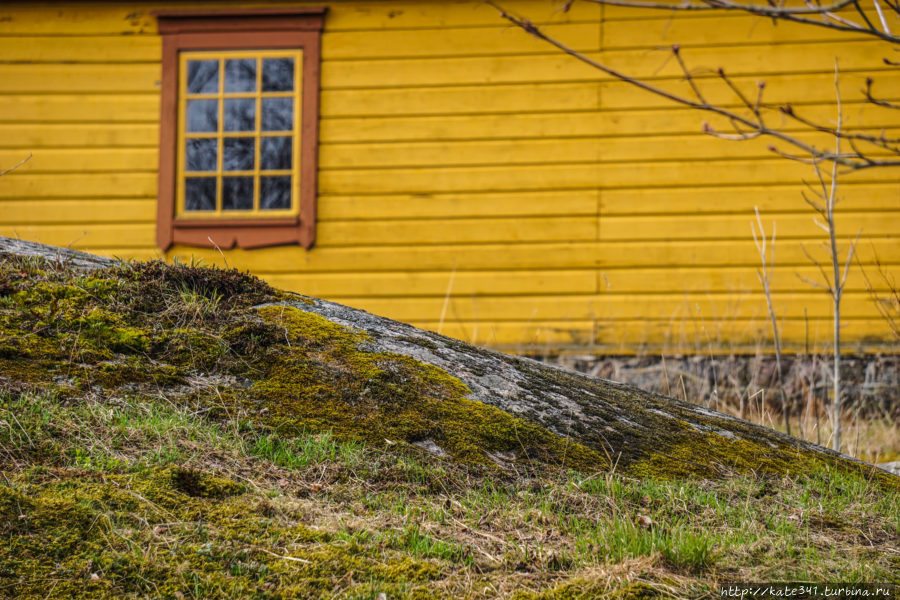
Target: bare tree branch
{"points": [[754, 124], [797, 14]]}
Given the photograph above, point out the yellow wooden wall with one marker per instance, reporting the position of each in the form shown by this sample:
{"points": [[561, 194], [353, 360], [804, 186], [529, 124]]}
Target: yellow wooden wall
{"points": [[475, 181]]}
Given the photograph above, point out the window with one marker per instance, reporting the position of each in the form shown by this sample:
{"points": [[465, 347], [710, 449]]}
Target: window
{"points": [[239, 127]]}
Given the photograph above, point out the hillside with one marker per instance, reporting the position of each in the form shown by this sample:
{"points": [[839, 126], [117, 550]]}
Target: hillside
{"points": [[174, 431]]}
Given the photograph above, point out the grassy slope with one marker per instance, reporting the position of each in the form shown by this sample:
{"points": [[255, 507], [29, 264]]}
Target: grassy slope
{"points": [[148, 450]]}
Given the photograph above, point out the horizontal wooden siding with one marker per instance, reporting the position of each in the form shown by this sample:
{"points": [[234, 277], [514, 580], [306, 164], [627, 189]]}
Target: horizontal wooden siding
{"points": [[477, 182]]}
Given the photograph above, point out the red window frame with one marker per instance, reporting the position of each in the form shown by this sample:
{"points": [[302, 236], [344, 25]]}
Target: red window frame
{"points": [[262, 29]]}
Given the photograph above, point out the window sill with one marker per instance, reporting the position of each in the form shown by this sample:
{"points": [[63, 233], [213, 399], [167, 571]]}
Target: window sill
{"points": [[226, 234]]}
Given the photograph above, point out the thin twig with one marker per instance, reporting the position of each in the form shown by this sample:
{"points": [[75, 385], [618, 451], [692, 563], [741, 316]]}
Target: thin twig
{"points": [[17, 165]]}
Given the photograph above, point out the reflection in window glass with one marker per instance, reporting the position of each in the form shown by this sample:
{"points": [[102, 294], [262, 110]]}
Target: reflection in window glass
{"points": [[240, 75], [238, 155], [275, 153], [240, 114], [274, 193], [202, 115], [200, 193], [278, 75], [201, 154], [237, 193], [238, 133], [277, 114], [203, 77]]}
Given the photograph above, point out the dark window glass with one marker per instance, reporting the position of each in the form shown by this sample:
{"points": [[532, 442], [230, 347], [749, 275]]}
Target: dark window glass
{"points": [[278, 75], [274, 193], [202, 115], [200, 193], [277, 114], [238, 154], [275, 153], [237, 193], [201, 154], [240, 75], [240, 114], [203, 76]]}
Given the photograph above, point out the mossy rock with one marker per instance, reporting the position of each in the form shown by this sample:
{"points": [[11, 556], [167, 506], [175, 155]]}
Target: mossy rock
{"points": [[228, 341]]}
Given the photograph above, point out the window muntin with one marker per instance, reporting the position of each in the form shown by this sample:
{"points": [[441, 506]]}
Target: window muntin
{"points": [[238, 133]]}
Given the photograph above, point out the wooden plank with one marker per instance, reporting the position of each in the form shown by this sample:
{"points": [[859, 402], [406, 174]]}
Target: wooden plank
{"points": [[509, 98], [67, 135], [84, 78], [81, 49], [521, 204], [71, 185], [656, 28], [721, 280], [87, 212], [448, 41], [576, 176], [471, 99], [82, 160], [737, 227], [698, 146], [392, 257], [780, 88], [425, 154], [642, 336], [446, 231], [728, 253], [57, 19], [436, 284], [606, 308], [344, 16], [355, 16], [672, 120], [771, 200], [101, 110], [608, 257], [714, 17], [556, 66], [86, 237]]}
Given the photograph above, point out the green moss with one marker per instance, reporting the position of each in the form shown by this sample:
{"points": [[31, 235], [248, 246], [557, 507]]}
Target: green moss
{"points": [[65, 526], [328, 380]]}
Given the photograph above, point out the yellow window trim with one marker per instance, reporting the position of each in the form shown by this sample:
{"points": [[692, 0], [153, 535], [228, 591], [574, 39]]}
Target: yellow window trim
{"points": [[220, 134]]}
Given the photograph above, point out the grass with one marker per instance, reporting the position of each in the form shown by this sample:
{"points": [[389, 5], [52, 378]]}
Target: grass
{"points": [[468, 535]]}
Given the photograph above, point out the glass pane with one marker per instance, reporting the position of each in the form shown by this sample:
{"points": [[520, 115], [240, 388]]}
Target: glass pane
{"points": [[240, 114], [275, 153], [200, 193], [277, 114], [274, 193], [278, 75], [203, 76], [202, 115], [201, 155], [237, 193], [240, 75], [238, 154]]}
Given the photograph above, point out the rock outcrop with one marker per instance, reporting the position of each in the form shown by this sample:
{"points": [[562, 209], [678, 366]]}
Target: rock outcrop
{"points": [[227, 341]]}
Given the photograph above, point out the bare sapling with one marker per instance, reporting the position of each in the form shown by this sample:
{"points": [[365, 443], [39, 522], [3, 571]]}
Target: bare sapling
{"points": [[765, 277], [824, 203]]}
